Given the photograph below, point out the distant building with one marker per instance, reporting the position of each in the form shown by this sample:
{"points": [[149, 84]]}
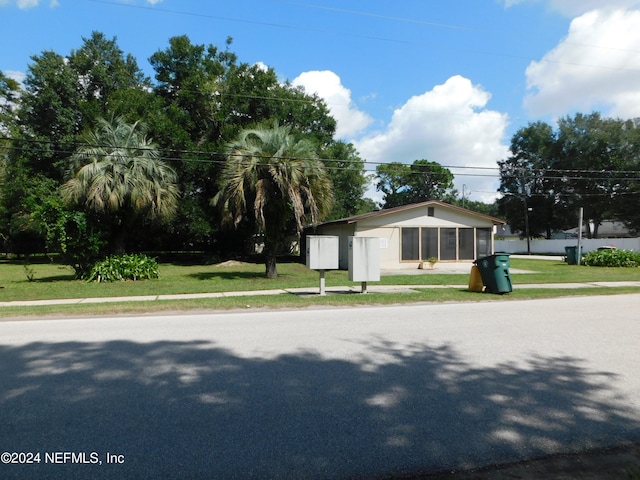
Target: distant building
{"points": [[606, 229]]}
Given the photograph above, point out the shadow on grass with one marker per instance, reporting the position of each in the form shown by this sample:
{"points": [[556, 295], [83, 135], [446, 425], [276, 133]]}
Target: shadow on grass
{"points": [[55, 278], [192, 410], [227, 275], [235, 275], [28, 260]]}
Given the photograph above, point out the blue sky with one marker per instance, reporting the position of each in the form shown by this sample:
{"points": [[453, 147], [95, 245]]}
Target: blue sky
{"points": [[448, 80]]}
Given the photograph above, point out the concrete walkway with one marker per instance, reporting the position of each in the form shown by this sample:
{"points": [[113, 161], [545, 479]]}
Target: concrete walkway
{"points": [[306, 291]]}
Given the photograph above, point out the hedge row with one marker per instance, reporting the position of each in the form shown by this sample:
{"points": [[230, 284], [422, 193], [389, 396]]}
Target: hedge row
{"points": [[612, 258]]}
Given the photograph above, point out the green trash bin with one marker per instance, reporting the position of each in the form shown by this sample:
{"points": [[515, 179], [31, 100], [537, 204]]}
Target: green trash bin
{"points": [[494, 271], [572, 255]]}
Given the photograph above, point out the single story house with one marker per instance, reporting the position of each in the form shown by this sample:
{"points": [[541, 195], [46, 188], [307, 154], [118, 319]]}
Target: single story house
{"points": [[411, 234], [606, 229]]}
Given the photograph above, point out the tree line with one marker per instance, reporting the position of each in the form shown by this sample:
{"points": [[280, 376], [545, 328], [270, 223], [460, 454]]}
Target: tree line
{"points": [[588, 162], [214, 155], [93, 113], [99, 158]]}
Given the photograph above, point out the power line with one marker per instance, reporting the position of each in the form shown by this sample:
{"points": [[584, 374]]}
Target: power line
{"points": [[370, 37], [251, 22], [211, 153], [385, 17], [434, 24], [401, 167], [194, 152], [327, 102], [477, 171], [566, 195]]}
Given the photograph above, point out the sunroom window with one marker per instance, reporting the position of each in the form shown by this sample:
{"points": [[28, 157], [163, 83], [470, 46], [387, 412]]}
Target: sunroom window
{"points": [[421, 243]]}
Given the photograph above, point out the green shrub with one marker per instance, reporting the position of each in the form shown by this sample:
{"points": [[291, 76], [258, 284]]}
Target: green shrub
{"points": [[74, 234], [612, 258], [124, 267]]}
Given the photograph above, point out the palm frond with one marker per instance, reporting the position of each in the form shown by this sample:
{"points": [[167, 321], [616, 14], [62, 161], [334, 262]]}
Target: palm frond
{"points": [[281, 174], [119, 169]]}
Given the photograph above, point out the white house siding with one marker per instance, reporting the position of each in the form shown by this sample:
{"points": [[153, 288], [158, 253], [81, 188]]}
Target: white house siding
{"points": [[343, 232], [409, 218], [389, 245]]}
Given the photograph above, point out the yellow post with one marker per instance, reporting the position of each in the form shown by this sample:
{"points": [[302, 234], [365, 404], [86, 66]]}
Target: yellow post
{"points": [[475, 280]]}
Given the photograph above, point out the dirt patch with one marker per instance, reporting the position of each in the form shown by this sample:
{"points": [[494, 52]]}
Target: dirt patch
{"points": [[232, 263], [611, 464]]}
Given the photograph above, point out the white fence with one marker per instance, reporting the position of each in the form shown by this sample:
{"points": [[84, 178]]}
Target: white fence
{"points": [[556, 247]]}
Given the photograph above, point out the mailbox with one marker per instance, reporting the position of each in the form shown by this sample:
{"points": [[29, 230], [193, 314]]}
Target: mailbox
{"points": [[322, 252], [364, 259]]}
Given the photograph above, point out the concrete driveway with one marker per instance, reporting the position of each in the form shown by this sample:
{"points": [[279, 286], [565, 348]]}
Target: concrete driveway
{"points": [[318, 394]]}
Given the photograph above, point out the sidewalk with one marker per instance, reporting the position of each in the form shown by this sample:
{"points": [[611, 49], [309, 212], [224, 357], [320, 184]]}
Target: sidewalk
{"points": [[307, 291], [372, 287]]}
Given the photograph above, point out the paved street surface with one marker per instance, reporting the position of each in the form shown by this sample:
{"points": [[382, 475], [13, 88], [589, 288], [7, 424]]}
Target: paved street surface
{"points": [[318, 394]]}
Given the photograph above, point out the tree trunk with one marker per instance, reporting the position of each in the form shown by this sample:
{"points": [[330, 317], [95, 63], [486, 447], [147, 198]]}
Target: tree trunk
{"points": [[122, 229], [273, 238], [119, 242], [596, 224], [271, 267]]}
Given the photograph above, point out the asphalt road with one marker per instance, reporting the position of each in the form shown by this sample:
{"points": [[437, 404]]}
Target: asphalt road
{"points": [[318, 394]]}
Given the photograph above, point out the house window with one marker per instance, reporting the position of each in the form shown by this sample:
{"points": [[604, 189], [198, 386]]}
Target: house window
{"points": [[421, 243], [448, 244], [429, 245], [483, 242], [431, 211], [465, 244], [410, 244]]}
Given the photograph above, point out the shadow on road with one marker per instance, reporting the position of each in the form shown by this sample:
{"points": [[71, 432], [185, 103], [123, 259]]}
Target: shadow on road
{"points": [[191, 410]]}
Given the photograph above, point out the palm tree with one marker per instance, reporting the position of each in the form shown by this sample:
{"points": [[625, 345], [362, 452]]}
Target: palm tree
{"points": [[118, 172], [273, 179]]}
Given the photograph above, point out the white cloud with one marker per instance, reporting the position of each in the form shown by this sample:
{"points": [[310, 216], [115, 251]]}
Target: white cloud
{"points": [[15, 75], [27, 4], [449, 125], [18, 77], [573, 8], [262, 66], [24, 4], [595, 67], [327, 85]]}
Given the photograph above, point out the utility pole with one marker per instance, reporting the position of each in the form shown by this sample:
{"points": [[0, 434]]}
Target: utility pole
{"points": [[578, 255], [526, 224], [523, 183], [523, 198], [464, 187]]}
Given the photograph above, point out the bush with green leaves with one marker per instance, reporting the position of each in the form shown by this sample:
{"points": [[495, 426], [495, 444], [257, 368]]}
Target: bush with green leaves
{"points": [[72, 233], [612, 258], [124, 267]]}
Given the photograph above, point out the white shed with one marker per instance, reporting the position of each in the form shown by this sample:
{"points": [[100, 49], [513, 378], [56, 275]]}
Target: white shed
{"points": [[414, 233]]}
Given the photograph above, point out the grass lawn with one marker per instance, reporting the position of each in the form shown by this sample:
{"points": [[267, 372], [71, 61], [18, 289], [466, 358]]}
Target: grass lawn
{"points": [[51, 280]]}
